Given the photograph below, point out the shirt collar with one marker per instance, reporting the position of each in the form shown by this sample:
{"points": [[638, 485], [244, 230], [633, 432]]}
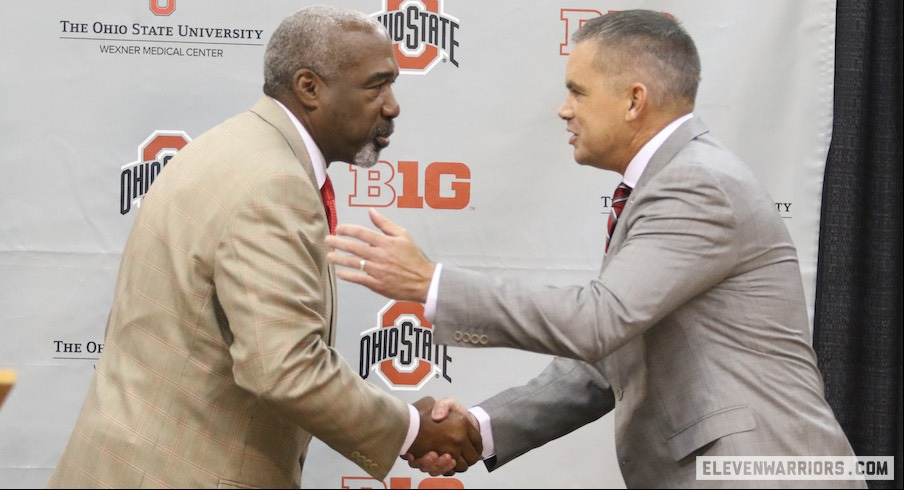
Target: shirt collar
{"points": [[318, 161], [642, 158]]}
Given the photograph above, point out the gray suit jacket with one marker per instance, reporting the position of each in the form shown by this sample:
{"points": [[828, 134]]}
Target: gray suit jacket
{"points": [[217, 367], [696, 330]]}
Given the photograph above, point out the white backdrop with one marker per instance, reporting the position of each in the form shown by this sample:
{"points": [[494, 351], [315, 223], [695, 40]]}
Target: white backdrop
{"points": [[479, 172]]}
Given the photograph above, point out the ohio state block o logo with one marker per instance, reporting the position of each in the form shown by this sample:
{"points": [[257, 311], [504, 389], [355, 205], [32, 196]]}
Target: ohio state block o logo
{"points": [[390, 316], [163, 7]]}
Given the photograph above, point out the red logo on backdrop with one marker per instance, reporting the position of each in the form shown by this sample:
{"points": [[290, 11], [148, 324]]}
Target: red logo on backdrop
{"points": [[399, 482], [401, 349], [421, 32], [163, 7], [154, 153], [574, 19], [446, 185]]}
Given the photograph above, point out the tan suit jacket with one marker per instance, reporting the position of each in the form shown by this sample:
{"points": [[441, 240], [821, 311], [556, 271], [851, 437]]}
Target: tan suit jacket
{"points": [[696, 331], [217, 367]]}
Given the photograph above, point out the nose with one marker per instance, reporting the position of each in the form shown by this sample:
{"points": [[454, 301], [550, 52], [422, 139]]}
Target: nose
{"points": [[391, 108], [565, 112]]}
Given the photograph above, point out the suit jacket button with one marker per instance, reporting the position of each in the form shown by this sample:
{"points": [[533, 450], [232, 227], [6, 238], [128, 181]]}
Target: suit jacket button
{"points": [[484, 339], [457, 335]]}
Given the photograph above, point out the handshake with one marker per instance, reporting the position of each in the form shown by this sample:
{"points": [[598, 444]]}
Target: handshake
{"points": [[448, 441]]}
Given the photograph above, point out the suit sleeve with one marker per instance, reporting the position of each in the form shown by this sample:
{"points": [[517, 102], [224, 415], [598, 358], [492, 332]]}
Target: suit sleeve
{"points": [[271, 282], [576, 392], [679, 243]]}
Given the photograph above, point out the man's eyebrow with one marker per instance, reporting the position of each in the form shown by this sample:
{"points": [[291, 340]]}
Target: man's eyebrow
{"points": [[380, 76]]}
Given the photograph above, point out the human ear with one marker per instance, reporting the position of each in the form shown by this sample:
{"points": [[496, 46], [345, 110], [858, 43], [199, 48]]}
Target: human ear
{"points": [[638, 97], [307, 87]]}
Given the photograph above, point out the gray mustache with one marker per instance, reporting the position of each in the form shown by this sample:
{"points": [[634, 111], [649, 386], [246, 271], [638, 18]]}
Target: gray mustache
{"points": [[384, 130]]}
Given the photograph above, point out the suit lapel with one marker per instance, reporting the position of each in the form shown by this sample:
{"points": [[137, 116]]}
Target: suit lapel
{"points": [[687, 132], [273, 114]]}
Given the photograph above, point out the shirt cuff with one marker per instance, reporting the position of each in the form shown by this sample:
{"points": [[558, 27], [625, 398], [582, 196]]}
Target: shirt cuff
{"points": [[414, 425], [430, 305], [486, 432]]}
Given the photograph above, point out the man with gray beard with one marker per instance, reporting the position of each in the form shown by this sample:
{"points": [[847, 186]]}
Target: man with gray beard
{"points": [[218, 367]]}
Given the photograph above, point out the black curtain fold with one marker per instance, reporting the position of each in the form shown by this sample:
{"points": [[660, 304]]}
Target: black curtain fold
{"points": [[858, 325]]}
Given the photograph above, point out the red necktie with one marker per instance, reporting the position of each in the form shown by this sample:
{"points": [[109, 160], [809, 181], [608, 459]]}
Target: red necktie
{"points": [[329, 204], [619, 198]]}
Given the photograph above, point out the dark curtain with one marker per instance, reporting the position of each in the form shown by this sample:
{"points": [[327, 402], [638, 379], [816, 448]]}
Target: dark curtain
{"points": [[858, 321]]}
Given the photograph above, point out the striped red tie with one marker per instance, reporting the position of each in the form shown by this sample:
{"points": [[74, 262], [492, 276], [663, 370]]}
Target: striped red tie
{"points": [[619, 198], [329, 204]]}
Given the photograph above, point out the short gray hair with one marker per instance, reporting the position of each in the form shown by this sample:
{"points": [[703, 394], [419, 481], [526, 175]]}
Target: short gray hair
{"points": [[650, 45], [307, 39]]}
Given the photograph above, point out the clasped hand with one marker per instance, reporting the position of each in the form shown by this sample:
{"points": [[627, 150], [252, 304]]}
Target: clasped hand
{"points": [[448, 440]]}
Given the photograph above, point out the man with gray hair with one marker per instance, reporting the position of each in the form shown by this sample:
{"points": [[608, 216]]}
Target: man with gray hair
{"points": [[218, 366], [695, 332]]}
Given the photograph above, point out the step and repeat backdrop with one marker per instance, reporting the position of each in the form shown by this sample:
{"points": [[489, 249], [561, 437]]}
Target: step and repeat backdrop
{"points": [[96, 96]]}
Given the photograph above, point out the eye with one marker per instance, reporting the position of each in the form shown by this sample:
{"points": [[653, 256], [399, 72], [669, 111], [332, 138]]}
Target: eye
{"points": [[574, 91], [379, 87]]}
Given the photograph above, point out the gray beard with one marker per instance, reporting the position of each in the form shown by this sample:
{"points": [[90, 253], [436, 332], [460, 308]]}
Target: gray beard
{"points": [[368, 156]]}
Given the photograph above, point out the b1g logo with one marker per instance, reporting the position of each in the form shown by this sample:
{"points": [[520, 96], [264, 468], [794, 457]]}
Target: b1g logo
{"points": [[154, 153], [399, 482], [401, 348], [446, 185], [163, 7], [574, 19], [422, 34]]}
